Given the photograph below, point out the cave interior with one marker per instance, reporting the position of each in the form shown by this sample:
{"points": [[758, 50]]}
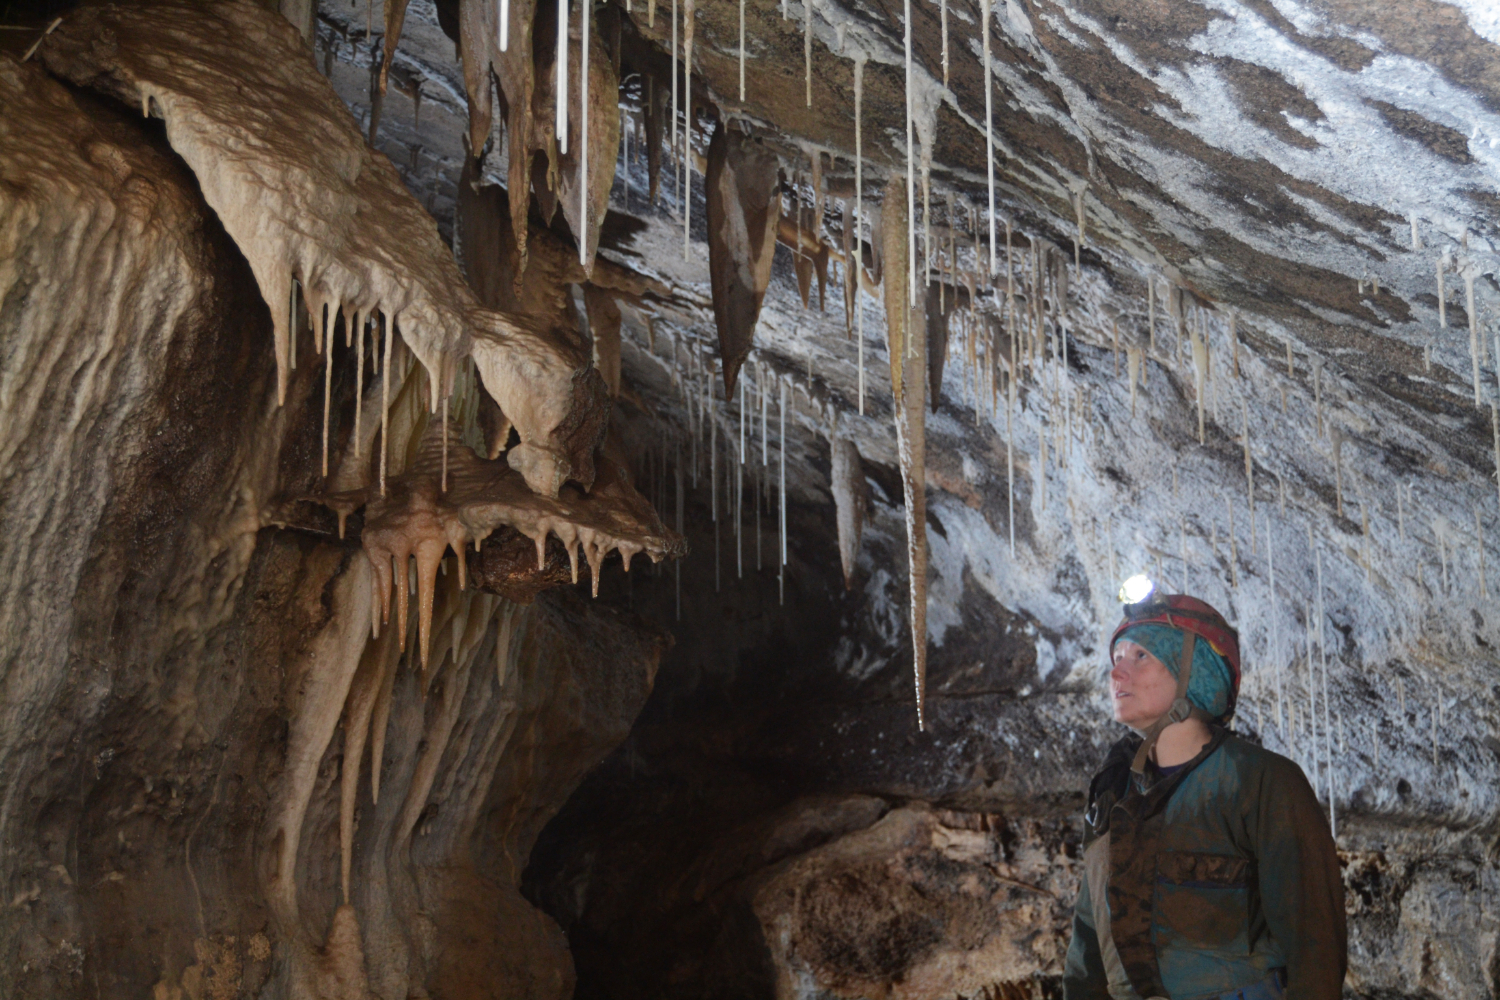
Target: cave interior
{"points": [[629, 499]]}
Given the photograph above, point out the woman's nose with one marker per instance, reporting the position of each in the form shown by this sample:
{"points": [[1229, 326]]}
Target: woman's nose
{"points": [[1117, 672]]}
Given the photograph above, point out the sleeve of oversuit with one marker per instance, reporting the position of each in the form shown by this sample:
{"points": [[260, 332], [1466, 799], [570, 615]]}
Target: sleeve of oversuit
{"points": [[1083, 972], [1301, 887]]}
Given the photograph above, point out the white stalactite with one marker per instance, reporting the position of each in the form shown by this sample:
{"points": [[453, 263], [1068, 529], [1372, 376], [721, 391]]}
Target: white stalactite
{"points": [[687, 129], [911, 174], [586, 15], [560, 119], [1469, 273], [807, 49], [989, 123]]}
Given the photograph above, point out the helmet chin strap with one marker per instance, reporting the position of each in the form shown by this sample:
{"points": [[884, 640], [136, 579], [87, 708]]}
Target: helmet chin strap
{"points": [[1181, 709]]}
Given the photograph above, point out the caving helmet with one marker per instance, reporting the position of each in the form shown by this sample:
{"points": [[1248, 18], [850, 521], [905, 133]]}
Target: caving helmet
{"points": [[1197, 621]]}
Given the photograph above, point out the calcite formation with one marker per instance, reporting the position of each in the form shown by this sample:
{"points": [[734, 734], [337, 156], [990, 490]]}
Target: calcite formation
{"points": [[239, 96], [743, 195]]}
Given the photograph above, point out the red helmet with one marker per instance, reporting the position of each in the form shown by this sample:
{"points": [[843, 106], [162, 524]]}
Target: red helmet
{"points": [[1190, 615]]}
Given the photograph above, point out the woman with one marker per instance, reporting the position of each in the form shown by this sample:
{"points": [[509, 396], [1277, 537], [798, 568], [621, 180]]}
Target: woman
{"points": [[1208, 866]]}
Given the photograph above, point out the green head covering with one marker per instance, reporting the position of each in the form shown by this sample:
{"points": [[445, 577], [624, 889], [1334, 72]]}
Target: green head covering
{"points": [[1208, 687]]}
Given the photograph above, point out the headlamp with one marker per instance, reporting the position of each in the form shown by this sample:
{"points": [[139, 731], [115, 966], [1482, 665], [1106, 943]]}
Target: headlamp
{"points": [[1139, 596], [1136, 589]]}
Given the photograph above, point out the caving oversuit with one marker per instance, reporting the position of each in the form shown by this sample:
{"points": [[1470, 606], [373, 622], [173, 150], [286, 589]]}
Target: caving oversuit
{"points": [[1217, 878]]}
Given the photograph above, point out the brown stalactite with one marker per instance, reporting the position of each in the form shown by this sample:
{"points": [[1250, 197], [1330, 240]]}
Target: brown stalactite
{"points": [[395, 19], [851, 499], [655, 113], [744, 206], [907, 343]]}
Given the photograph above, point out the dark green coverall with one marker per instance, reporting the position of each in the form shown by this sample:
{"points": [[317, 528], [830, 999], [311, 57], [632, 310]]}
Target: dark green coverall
{"points": [[1214, 876]]}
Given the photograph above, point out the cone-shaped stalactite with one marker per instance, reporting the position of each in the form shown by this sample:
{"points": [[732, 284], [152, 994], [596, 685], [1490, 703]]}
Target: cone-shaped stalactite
{"points": [[850, 498], [395, 20], [941, 302], [907, 342], [744, 208]]}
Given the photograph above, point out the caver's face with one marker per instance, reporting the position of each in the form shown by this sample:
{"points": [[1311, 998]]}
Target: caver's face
{"points": [[1141, 688]]}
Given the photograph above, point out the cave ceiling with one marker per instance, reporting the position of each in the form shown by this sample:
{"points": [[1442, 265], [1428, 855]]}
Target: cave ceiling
{"points": [[1289, 177]]}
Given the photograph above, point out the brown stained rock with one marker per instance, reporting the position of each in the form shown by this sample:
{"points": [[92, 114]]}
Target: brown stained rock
{"points": [[1267, 98], [744, 206], [922, 905], [1449, 143], [506, 565], [604, 327]]}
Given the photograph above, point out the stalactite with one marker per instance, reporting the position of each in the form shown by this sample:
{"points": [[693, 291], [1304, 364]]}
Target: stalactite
{"points": [[807, 48], [1010, 297], [742, 50], [781, 499], [1249, 471], [905, 338], [1041, 466], [673, 117], [743, 212], [586, 19], [560, 118], [739, 500], [1200, 373], [1317, 373], [687, 128], [1327, 739], [385, 398], [911, 175], [989, 122], [1442, 293], [359, 323], [1234, 554], [943, 4], [1078, 210], [1133, 372], [1495, 429], [1469, 273], [1010, 434], [859, 215], [850, 500], [1439, 541], [1338, 468]]}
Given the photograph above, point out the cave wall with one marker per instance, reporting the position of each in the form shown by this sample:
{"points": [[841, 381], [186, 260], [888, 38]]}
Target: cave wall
{"points": [[177, 659]]}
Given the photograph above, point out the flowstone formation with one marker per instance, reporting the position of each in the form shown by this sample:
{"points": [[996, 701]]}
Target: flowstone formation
{"points": [[201, 306], [895, 338]]}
